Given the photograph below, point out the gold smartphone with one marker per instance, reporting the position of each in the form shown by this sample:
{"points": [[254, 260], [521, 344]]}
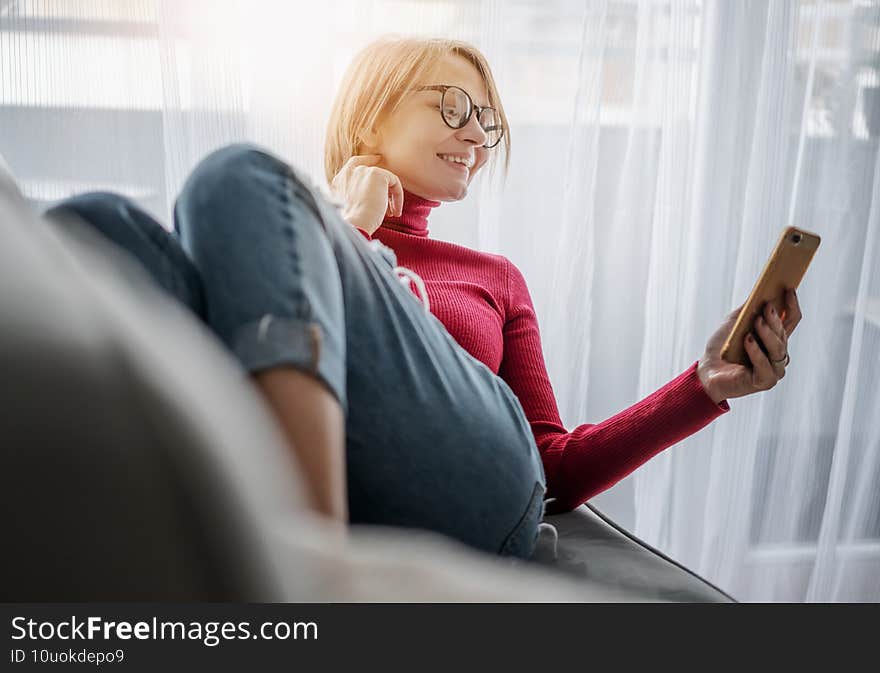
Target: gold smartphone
{"points": [[786, 267]]}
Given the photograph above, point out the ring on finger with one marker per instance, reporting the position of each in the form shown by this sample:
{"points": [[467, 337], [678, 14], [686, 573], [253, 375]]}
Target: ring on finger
{"points": [[782, 361]]}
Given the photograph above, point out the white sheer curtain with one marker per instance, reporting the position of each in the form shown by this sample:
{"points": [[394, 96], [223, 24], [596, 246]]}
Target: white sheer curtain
{"points": [[659, 147]]}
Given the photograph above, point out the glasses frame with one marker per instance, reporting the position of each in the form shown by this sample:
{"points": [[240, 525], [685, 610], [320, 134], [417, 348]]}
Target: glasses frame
{"points": [[473, 108]]}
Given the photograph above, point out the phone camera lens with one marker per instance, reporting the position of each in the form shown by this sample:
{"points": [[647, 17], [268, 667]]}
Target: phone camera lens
{"points": [[795, 238]]}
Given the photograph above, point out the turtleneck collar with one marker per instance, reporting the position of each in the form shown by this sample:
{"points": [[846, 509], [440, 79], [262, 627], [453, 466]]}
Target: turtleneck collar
{"points": [[413, 218]]}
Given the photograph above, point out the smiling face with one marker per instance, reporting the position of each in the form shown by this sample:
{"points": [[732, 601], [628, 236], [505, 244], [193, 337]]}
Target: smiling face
{"points": [[413, 137]]}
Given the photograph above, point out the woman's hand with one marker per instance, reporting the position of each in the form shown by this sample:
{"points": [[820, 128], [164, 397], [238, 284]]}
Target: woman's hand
{"points": [[370, 193], [724, 380]]}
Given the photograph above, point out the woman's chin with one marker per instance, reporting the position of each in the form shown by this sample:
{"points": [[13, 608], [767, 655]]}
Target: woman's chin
{"points": [[442, 191], [453, 193], [444, 196]]}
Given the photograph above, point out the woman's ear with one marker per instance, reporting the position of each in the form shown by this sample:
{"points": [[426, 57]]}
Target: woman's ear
{"points": [[369, 141]]}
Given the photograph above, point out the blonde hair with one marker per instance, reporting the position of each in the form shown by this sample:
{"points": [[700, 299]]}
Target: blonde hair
{"points": [[374, 86]]}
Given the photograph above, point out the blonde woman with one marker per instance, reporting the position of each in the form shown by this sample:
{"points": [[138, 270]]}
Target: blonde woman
{"points": [[407, 372]]}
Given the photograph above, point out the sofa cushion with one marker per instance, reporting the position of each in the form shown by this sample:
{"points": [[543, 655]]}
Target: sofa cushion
{"points": [[134, 448]]}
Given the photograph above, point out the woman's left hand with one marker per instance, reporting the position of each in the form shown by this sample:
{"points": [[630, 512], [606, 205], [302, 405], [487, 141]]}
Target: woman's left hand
{"points": [[724, 380]]}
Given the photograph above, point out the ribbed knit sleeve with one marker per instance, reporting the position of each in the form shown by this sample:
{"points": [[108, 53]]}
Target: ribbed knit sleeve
{"points": [[592, 457]]}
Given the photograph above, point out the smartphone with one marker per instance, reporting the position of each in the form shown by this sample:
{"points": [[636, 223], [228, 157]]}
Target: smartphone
{"points": [[786, 267]]}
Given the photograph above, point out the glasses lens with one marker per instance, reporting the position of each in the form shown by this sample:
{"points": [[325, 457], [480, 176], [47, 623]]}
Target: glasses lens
{"points": [[456, 108], [491, 123]]}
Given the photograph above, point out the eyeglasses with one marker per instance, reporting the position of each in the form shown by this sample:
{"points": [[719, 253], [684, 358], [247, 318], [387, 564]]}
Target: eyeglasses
{"points": [[456, 108]]}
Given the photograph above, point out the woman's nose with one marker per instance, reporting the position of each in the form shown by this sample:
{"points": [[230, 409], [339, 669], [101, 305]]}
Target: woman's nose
{"points": [[474, 131]]}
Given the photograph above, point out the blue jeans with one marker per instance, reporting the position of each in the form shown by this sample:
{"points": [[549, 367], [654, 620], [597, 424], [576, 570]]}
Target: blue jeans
{"points": [[434, 439]]}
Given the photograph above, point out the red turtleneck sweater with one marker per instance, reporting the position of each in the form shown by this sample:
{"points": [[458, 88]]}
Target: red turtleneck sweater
{"points": [[483, 301]]}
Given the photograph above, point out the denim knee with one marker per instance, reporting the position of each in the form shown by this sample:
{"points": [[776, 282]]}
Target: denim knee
{"points": [[224, 170], [124, 223], [273, 291]]}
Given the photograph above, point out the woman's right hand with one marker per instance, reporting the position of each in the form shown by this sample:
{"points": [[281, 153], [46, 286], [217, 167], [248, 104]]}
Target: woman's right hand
{"points": [[370, 193]]}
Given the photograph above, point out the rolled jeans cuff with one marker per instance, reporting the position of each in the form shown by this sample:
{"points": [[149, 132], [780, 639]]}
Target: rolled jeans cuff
{"points": [[300, 343]]}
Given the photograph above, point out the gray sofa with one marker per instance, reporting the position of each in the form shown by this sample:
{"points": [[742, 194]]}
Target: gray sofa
{"points": [[137, 462]]}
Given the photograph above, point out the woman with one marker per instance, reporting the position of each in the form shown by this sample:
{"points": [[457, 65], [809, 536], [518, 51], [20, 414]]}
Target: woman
{"points": [[426, 406]]}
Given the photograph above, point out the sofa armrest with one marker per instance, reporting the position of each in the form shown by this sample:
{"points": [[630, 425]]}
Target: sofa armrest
{"points": [[590, 545], [7, 180]]}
